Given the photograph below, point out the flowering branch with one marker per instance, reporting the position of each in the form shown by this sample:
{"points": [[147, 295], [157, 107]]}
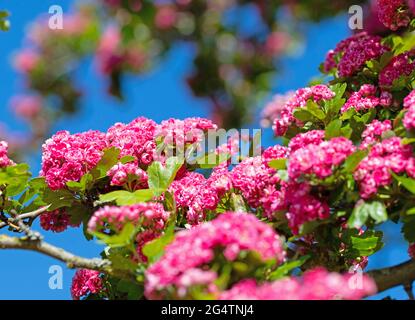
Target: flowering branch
{"points": [[29, 215], [71, 260]]}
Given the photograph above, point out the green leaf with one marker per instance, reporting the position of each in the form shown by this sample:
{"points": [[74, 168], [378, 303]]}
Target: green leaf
{"points": [[57, 199], [333, 129], [358, 245], [408, 183], [108, 160], [315, 110], [160, 177], [376, 210], [303, 114], [278, 164], [154, 249], [134, 291], [125, 198], [122, 239], [15, 178], [84, 184], [127, 159], [287, 267], [353, 160]]}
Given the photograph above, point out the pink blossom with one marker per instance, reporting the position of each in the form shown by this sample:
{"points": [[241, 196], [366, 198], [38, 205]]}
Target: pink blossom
{"points": [[28, 106], [299, 100], [68, 157], [374, 131], [56, 221], [353, 53], [121, 174], [4, 159], [319, 160], [400, 65], [194, 195], [373, 172], [409, 118], [134, 139], [409, 99], [302, 206], [108, 53], [316, 284], [230, 232], [301, 140], [86, 282], [393, 13], [181, 132], [26, 60], [363, 99]]}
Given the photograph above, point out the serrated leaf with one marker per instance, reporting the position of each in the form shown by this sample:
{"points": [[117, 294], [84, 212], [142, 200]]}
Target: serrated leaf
{"points": [[160, 177], [287, 267], [353, 160], [107, 161], [125, 198]]}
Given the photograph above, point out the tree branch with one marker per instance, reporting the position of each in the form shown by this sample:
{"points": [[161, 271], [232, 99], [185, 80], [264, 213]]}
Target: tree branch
{"points": [[31, 215], [70, 259], [402, 274]]}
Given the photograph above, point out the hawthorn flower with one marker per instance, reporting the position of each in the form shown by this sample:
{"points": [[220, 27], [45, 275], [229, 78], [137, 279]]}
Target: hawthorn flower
{"points": [[134, 139], [319, 160], [121, 174], [4, 159], [353, 52], [299, 100], [315, 284], [363, 99], [57, 221], [301, 140], [374, 171], [196, 249], [400, 65], [373, 132], [393, 13], [194, 195], [86, 282], [68, 157]]}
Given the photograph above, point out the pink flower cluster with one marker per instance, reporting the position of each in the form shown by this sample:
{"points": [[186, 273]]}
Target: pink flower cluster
{"points": [[394, 13], [86, 282], [181, 132], [257, 181], [302, 206], [68, 157], [299, 100], [57, 221], [409, 118], [134, 139], [301, 140], [195, 248], [319, 160], [373, 132], [26, 60], [316, 284], [149, 215], [363, 99], [400, 65], [274, 108], [353, 52], [121, 174], [4, 159], [195, 195], [374, 171]]}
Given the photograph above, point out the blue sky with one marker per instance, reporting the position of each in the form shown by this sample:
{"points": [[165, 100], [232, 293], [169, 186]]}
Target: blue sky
{"points": [[158, 95]]}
